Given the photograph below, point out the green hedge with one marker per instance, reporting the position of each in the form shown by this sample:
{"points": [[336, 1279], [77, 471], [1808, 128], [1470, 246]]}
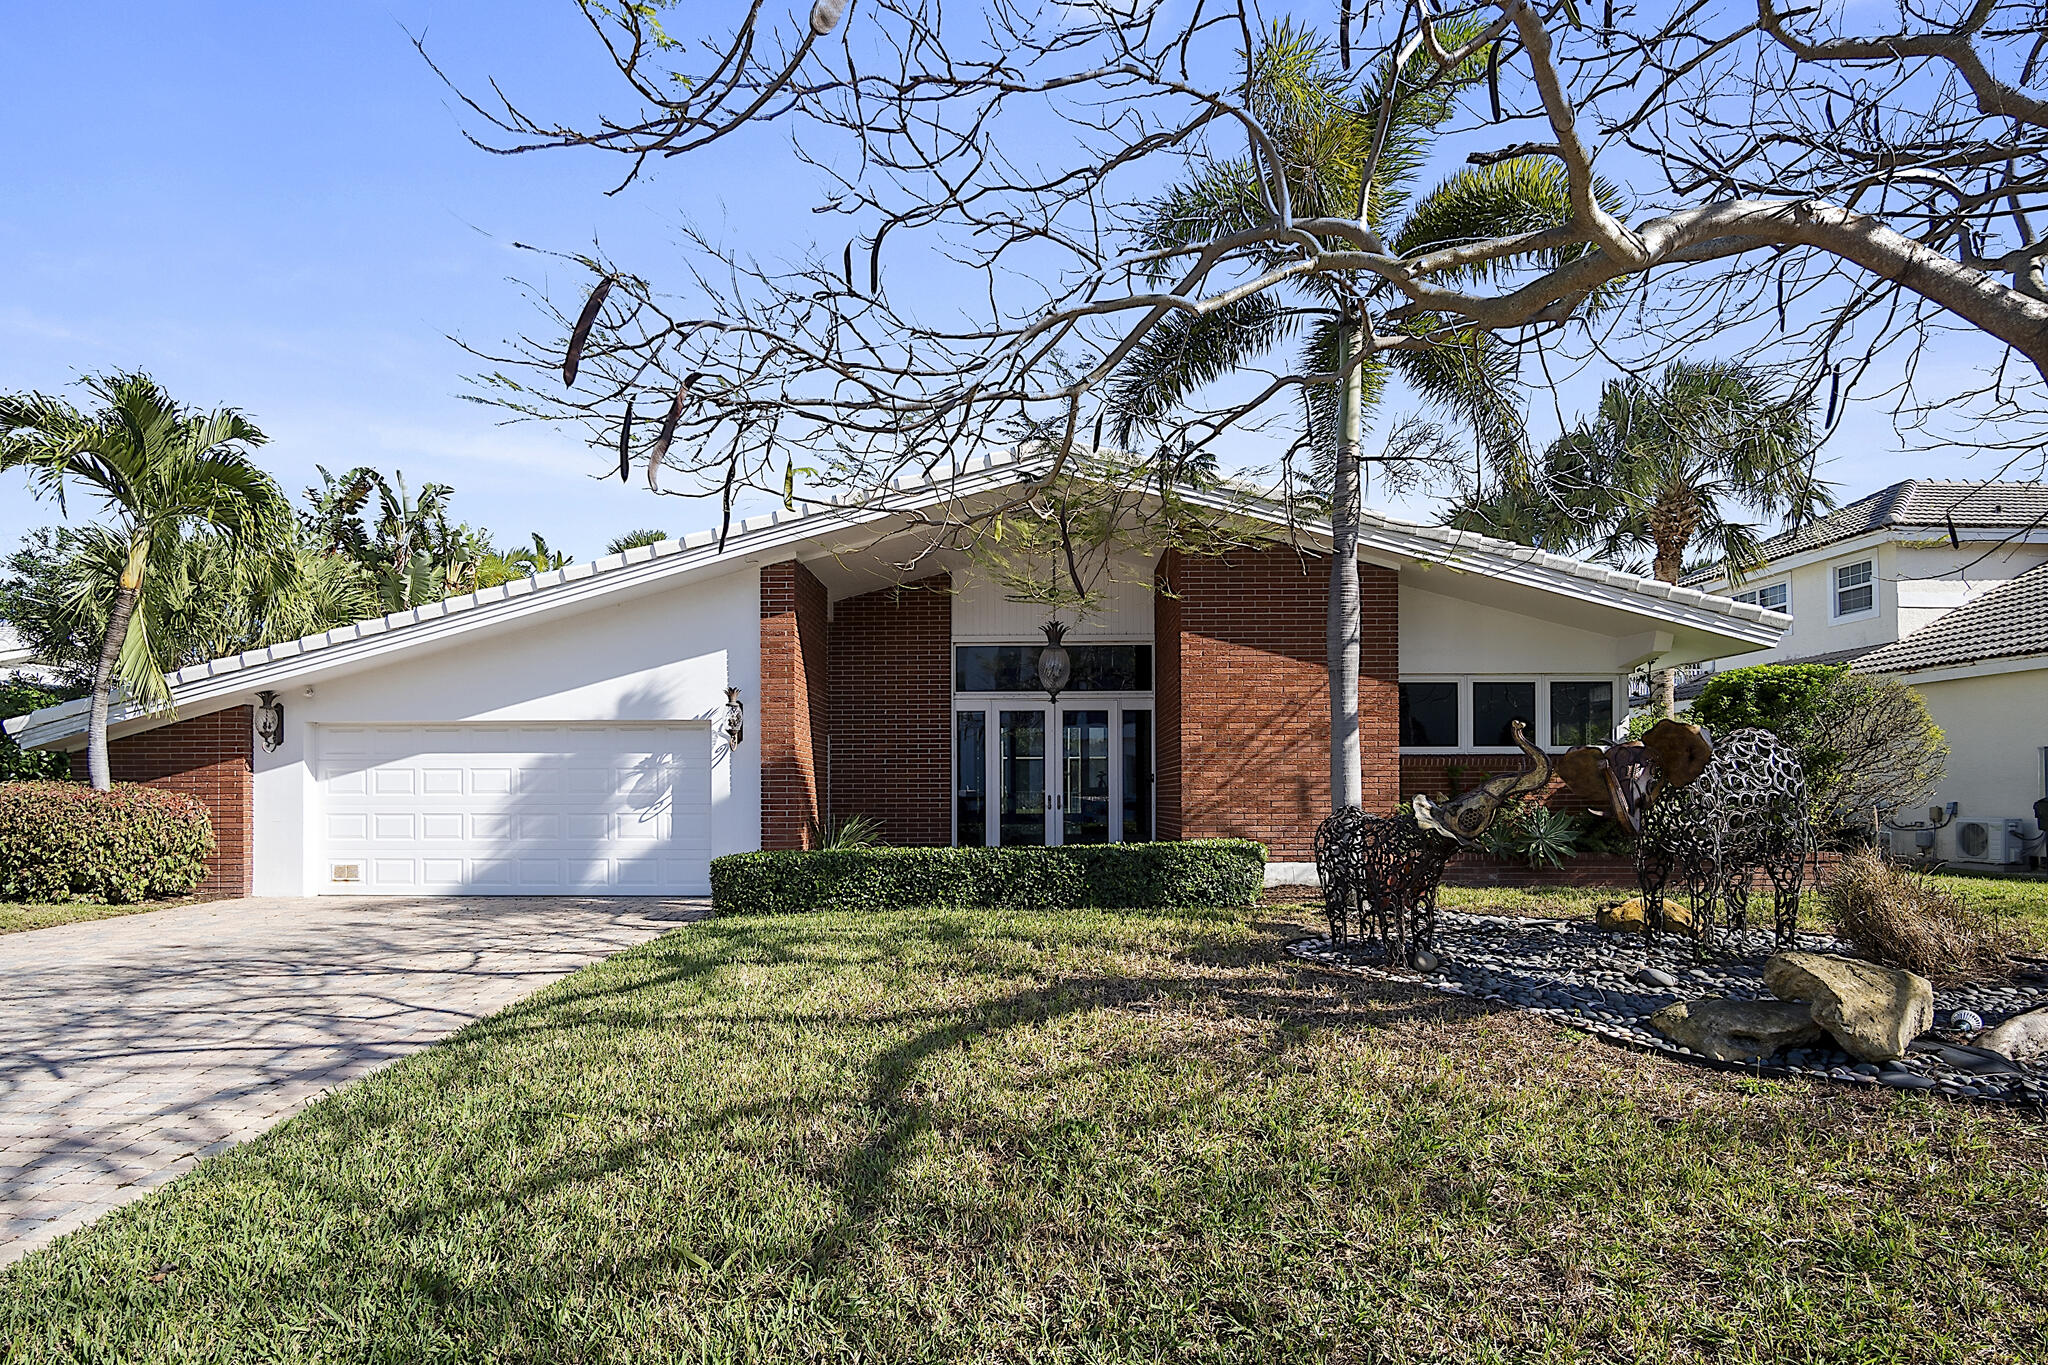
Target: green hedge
{"points": [[1196, 872], [63, 841]]}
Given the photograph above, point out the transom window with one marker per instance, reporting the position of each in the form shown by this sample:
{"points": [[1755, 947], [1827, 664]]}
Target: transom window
{"points": [[1771, 597], [1479, 713], [1855, 589], [1014, 668]]}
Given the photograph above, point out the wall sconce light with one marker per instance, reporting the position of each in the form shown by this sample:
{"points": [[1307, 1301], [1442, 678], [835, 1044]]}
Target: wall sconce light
{"points": [[1055, 665], [269, 720], [735, 717]]}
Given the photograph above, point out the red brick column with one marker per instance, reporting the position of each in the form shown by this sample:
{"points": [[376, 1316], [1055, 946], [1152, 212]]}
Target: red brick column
{"points": [[211, 757], [892, 702], [1166, 701], [1250, 670], [793, 716]]}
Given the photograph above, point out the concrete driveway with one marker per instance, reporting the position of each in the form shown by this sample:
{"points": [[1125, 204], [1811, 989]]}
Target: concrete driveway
{"points": [[131, 1047]]}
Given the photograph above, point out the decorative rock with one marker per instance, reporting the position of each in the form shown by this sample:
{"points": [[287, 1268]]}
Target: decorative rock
{"points": [[1905, 1080], [1737, 1030], [1426, 961], [1663, 981], [1873, 1011], [2024, 1037], [1965, 1021], [1632, 917]]}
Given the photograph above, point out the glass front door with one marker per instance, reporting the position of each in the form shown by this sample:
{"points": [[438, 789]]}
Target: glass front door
{"points": [[1040, 774]]}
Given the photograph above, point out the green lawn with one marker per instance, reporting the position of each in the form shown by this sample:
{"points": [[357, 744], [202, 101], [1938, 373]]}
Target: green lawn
{"points": [[1081, 1137], [16, 917]]}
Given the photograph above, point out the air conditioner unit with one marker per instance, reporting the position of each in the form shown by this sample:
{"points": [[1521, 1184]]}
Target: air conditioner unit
{"points": [[1991, 841]]}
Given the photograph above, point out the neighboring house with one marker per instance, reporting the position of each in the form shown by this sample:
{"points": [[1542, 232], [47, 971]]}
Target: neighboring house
{"points": [[1882, 567], [18, 660], [574, 731], [1983, 671]]}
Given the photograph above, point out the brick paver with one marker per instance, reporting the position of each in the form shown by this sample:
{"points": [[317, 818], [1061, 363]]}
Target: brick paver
{"points": [[130, 1048]]}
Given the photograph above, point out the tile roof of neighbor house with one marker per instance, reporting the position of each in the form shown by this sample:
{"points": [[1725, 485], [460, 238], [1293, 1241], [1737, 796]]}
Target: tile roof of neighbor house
{"points": [[785, 528], [1913, 502], [2007, 622]]}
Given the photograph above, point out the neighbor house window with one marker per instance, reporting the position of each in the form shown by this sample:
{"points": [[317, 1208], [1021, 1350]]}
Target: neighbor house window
{"points": [[1581, 713], [1772, 597], [1496, 706], [1855, 589], [1429, 715]]}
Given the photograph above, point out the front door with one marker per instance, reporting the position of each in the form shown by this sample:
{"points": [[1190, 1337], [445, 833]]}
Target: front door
{"points": [[1035, 774]]}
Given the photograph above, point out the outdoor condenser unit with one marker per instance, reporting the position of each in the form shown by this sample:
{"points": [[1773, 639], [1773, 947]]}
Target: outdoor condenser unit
{"points": [[1992, 841]]}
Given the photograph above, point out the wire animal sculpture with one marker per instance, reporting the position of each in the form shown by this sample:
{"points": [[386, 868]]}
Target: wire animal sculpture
{"points": [[1712, 816], [1380, 873]]}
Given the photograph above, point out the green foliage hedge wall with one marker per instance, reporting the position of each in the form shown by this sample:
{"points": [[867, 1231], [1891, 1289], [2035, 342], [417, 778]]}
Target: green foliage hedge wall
{"points": [[1196, 872], [62, 841]]}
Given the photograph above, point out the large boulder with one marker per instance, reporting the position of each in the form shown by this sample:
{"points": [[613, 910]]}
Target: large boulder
{"points": [[2024, 1037], [1872, 1010], [1738, 1030], [1630, 917]]}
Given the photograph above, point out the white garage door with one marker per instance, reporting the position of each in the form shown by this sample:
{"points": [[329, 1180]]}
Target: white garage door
{"points": [[516, 810]]}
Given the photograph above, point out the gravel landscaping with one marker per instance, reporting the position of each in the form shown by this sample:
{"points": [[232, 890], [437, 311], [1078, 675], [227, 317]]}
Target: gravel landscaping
{"points": [[1609, 984]]}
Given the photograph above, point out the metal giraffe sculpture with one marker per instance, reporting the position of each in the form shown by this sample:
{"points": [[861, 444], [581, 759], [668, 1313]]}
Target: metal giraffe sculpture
{"points": [[1380, 872], [1713, 815]]}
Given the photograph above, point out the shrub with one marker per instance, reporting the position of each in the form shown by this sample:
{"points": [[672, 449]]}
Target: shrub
{"points": [[1196, 872], [1902, 919], [61, 841], [1781, 698]]}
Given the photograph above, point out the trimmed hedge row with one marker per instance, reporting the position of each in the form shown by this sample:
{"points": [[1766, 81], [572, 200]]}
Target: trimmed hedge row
{"points": [[63, 841], [1196, 872]]}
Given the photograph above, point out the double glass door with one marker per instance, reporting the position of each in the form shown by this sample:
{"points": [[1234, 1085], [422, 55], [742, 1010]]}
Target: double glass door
{"points": [[1032, 773]]}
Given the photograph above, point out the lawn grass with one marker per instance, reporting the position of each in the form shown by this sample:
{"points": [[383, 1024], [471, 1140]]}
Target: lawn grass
{"points": [[15, 917], [977, 1136]]}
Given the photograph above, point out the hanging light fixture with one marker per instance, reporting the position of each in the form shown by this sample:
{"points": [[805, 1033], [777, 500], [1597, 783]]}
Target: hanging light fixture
{"points": [[270, 720], [735, 717], [1055, 665]]}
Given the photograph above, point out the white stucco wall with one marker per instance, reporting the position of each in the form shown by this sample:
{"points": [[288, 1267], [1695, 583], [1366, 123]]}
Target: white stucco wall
{"points": [[1997, 728], [668, 655], [985, 611]]}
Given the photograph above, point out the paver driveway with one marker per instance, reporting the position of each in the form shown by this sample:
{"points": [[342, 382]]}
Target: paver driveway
{"points": [[131, 1047]]}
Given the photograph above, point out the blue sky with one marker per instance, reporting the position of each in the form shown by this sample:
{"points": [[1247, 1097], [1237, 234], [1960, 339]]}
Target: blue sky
{"points": [[273, 206]]}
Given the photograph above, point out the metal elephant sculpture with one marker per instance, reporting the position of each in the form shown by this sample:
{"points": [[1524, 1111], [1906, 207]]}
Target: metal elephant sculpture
{"points": [[1713, 815], [1380, 873]]}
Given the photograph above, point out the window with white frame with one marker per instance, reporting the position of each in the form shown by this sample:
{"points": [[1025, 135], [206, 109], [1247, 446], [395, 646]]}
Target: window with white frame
{"points": [[1855, 589], [1771, 597], [1447, 714]]}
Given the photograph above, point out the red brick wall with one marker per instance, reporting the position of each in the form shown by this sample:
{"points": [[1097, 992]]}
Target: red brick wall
{"points": [[210, 757], [892, 700], [1248, 670], [793, 713]]}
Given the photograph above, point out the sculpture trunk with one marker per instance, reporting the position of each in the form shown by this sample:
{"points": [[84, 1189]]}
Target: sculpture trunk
{"points": [[1347, 770]]}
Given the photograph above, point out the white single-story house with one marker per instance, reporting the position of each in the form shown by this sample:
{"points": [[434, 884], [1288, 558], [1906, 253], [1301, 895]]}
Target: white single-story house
{"points": [[610, 727]]}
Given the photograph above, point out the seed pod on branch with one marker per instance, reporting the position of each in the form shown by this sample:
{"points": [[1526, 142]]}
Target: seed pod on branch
{"points": [[626, 444], [584, 321], [825, 16], [659, 449]]}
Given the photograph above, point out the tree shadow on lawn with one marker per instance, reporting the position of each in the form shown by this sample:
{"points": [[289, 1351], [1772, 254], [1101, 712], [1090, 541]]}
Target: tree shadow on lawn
{"points": [[1231, 1006]]}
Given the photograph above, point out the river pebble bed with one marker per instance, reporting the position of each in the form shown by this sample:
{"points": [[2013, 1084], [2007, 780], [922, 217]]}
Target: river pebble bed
{"points": [[1610, 984]]}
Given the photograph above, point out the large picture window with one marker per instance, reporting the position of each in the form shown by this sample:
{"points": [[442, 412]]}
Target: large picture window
{"points": [[1581, 713], [1496, 706], [1478, 714]]}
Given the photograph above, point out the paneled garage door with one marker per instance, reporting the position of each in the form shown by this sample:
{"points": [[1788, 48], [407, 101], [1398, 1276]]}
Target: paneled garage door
{"points": [[516, 810]]}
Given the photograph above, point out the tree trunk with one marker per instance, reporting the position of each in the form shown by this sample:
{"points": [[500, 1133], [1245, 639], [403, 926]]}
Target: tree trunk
{"points": [[1670, 565], [1347, 774], [96, 764]]}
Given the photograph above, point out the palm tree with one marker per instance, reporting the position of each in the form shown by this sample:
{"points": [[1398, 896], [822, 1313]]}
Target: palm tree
{"points": [[1326, 124], [1661, 469], [633, 540], [158, 469]]}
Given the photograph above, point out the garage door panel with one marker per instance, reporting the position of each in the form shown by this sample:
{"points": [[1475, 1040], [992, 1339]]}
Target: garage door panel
{"points": [[517, 810]]}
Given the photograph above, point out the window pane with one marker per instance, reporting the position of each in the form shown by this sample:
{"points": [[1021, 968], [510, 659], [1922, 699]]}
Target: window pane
{"points": [[1777, 597], [1021, 762], [1084, 797], [1495, 705], [1581, 713], [1429, 714], [1014, 668], [970, 777], [1854, 591], [1137, 777]]}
